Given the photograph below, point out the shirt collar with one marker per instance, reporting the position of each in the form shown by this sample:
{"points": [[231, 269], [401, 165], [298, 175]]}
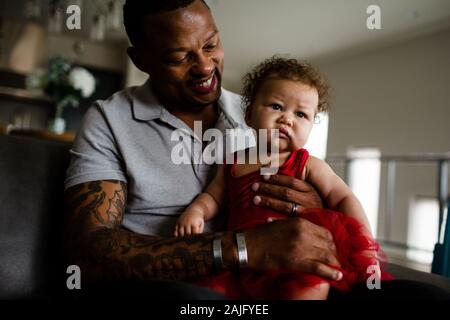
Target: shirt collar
{"points": [[145, 104]]}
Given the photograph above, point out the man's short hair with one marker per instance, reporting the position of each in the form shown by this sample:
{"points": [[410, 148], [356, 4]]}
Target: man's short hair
{"points": [[134, 12]]}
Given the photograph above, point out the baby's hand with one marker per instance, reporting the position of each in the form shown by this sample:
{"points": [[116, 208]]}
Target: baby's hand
{"points": [[189, 223]]}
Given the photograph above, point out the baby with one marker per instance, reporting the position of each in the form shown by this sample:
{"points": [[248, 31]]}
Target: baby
{"points": [[285, 95]]}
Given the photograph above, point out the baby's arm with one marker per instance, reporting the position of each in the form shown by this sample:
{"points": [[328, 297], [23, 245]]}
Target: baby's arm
{"points": [[333, 189], [205, 207], [339, 197]]}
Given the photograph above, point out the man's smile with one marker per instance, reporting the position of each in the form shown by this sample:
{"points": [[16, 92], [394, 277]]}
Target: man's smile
{"points": [[204, 86]]}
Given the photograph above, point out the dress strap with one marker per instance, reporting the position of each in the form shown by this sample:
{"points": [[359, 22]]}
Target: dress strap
{"points": [[301, 157], [228, 167]]}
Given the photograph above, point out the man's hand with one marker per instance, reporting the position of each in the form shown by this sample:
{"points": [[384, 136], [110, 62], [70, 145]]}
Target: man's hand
{"points": [[190, 222], [296, 243], [293, 244], [280, 192]]}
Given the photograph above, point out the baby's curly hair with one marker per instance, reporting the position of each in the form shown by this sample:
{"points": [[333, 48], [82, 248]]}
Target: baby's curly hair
{"points": [[291, 69]]}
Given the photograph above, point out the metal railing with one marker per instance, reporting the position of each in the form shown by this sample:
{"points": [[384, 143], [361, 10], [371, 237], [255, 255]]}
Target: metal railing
{"points": [[440, 160]]}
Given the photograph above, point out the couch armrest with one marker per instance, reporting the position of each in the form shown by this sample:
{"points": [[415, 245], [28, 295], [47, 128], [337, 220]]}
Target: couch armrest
{"points": [[403, 273]]}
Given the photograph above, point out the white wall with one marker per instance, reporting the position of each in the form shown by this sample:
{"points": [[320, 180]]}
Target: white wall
{"points": [[398, 100], [134, 76]]}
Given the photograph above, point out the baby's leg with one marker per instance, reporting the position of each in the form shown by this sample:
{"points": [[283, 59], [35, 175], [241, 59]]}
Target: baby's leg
{"points": [[317, 292]]}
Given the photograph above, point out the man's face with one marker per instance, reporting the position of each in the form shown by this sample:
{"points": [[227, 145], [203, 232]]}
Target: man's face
{"points": [[183, 54]]}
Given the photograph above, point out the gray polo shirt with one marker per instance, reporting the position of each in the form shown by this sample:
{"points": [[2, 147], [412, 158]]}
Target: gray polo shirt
{"points": [[128, 138]]}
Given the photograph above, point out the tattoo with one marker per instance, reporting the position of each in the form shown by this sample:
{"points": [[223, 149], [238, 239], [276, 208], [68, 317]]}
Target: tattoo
{"points": [[143, 257], [116, 208], [96, 242]]}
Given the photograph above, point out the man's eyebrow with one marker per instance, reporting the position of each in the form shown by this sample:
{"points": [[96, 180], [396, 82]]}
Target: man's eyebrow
{"points": [[212, 35], [183, 49]]}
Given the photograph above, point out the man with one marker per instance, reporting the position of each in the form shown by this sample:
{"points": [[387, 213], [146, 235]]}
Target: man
{"points": [[124, 193]]}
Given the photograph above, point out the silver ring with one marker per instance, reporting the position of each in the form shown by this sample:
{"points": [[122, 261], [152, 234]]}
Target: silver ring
{"points": [[294, 209]]}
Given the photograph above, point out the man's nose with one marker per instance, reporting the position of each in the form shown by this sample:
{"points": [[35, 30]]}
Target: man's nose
{"points": [[203, 65]]}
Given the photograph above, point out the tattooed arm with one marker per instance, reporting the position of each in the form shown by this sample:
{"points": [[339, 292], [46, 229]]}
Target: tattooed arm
{"points": [[96, 243], [102, 249]]}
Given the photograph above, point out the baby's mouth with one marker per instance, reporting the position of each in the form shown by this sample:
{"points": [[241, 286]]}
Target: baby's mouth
{"points": [[283, 133]]}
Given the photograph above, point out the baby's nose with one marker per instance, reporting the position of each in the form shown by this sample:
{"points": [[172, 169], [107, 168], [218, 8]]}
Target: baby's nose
{"points": [[287, 120]]}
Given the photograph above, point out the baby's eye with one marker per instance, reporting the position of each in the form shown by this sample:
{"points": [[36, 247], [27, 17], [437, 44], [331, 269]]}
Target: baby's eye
{"points": [[300, 114], [275, 106]]}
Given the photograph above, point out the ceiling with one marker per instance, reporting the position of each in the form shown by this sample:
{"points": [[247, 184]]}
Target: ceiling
{"points": [[318, 30]]}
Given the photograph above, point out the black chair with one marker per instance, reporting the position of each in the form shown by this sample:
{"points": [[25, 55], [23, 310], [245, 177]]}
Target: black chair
{"points": [[32, 174]]}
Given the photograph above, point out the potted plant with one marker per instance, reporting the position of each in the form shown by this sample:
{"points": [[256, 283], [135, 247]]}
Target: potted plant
{"points": [[66, 83]]}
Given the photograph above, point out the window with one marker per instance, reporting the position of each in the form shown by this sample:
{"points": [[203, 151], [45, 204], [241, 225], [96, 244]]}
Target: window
{"points": [[364, 180], [317, 142], [423, 228]]}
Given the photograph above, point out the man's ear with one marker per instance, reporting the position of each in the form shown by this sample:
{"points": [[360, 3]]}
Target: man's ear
{"points": [[248, 113], [134, 55]]}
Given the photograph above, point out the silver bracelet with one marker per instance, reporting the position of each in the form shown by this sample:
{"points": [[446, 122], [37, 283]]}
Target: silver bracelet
{"points": [[217, 251], [242, 250]]}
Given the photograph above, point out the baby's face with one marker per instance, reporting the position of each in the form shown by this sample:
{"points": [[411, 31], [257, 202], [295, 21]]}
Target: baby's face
{"points": [[287, 105]]}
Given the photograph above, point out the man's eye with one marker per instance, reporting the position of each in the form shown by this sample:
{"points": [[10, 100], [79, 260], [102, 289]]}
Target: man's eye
{"points": [[301, 114], [211, 46], [275, 106], [177, 61]]}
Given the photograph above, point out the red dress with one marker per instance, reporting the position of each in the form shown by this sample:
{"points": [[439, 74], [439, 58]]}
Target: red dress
{"points": [[279, 284]]}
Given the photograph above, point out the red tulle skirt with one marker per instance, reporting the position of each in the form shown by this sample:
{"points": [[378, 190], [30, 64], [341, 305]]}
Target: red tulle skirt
{"points": [[351, 245]]}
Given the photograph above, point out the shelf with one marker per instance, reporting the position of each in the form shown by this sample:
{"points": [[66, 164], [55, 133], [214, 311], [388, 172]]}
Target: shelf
{"points": [[24, 96], [67, 137]]}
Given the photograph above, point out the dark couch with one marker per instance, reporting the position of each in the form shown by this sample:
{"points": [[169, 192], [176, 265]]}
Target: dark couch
{"points": [[31, 200], [32, 173], [31, 217]]}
